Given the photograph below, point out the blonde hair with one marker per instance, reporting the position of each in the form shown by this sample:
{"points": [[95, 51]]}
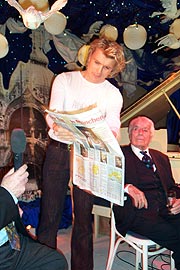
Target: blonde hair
{"points": [[111, 50]]}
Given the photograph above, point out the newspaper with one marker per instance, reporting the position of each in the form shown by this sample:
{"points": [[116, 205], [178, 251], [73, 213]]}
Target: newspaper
{"points": [[97, 159]]}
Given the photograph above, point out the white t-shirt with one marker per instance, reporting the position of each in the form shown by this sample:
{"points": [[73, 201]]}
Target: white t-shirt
{"points": [[71, 91]]}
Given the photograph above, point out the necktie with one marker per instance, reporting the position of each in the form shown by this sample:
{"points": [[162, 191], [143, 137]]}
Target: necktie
{"points": [[13, 236], [147, 160]]}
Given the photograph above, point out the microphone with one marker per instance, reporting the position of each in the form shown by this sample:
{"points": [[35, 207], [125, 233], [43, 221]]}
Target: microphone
{"points": [[18, 146]]}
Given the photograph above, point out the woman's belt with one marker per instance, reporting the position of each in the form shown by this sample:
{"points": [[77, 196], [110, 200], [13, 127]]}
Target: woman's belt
{"points": [[59, 144]]}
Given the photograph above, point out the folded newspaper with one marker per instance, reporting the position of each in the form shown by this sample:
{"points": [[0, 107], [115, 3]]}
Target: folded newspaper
{"points": [[97, 159]]}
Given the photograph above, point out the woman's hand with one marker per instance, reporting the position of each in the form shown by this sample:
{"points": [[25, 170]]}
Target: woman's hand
{"points": [[63, 134]]}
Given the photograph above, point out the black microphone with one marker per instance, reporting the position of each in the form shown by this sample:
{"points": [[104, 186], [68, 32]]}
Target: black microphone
{"points": [[18, 146]]}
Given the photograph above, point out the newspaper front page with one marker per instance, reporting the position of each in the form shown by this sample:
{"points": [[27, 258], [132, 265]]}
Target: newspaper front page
{"points": [[97, 159]]}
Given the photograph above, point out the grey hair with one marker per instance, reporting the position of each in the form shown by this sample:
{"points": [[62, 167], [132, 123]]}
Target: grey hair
{"points": [[131, 123]]}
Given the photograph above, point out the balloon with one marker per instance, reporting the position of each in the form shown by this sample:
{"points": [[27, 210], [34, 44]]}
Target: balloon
{"points": [[56, 23], [109, 32], [4, 47], [135, 36], [82, 54]]}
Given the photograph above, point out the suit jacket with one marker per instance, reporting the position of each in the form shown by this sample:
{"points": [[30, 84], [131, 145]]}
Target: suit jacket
{"points": [[125, 215], [9, 212]]}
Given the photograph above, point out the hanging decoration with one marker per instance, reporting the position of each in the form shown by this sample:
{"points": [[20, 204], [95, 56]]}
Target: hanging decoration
{"points": [[4, 47], [109, 31], [135, 36], [172, 40], [32, 18], [42, 5], [56, 23], [170, 13], [175, 28], [93, 31]]}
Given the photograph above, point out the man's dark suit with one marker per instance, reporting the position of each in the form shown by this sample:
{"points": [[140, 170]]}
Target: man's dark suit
{"points": [[9, 211], [154, 222], [32, 255]]}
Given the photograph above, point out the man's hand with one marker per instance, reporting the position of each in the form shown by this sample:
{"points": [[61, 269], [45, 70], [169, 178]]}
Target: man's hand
{"points": [[63, 134], [139, 199], [175, 207], [16, 181]]}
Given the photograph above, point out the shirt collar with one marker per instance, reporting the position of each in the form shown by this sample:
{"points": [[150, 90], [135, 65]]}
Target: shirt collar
{"points": [[136, 151]]}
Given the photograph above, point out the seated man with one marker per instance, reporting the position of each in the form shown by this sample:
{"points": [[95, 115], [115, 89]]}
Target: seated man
{"points": [[147, 181], [18, 250]]}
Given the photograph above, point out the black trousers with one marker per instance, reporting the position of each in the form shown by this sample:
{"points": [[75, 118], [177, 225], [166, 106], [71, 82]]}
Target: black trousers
{"points": [[32, 256], [164, 230], [82, 231], [55, 181]]}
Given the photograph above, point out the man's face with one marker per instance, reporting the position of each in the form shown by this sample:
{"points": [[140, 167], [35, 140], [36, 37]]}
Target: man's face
{"points": [[99, 67], [140, 135]]}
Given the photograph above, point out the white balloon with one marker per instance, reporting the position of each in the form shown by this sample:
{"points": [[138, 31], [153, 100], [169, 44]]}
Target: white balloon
{"points": [[4, 47], [82, 54], [109, 31], [135, 36], [56, 23]]}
